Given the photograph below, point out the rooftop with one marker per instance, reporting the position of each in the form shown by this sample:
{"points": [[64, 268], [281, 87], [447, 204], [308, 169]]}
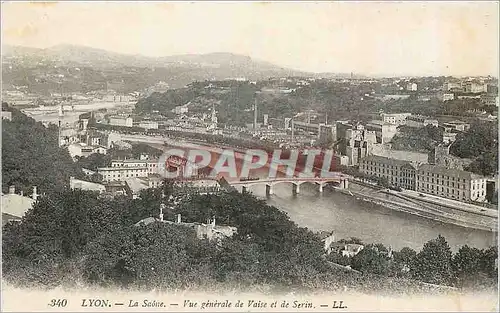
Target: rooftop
{"points": [[449, 172], [16, 205], [389, 161]]}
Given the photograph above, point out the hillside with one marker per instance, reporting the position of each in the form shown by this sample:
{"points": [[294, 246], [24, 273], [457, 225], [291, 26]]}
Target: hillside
{"points": [[177, 71], [31, 156]]}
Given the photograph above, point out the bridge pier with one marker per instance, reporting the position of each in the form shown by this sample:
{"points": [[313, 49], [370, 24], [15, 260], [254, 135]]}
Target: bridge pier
{"points": [[269, 190], [344, 184], [320, 187], [295, 189]]}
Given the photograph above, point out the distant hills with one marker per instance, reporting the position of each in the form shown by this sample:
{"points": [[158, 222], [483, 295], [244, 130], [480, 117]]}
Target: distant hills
{"points": [[47, 70], [221, 63]]}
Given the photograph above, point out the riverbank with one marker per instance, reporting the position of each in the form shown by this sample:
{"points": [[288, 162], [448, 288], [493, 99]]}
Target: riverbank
{"points": [[424, 208]]}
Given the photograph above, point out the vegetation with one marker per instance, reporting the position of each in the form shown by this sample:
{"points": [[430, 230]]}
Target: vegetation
{"points": [[435, 263], [74, 236], [31, 155], [417, 139], [480, 143]]}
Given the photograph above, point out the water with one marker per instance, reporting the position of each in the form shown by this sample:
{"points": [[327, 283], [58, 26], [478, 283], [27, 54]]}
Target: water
{"points": [[348, 217]]}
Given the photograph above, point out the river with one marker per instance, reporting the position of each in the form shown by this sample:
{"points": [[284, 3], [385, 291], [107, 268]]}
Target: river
{"points": [[348, 217]]}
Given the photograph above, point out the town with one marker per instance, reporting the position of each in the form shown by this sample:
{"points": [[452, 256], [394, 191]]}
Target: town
{"points": [[153, 171]]}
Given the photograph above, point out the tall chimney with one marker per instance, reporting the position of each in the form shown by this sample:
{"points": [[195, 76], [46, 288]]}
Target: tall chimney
{"points": [[255, 115], [35, 194], [12, 189], [178, 218]]}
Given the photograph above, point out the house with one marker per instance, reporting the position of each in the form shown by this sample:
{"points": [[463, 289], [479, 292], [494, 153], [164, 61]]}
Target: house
{"points": [[328, 239], [450, 183], [86, 185], [351, 249], [209, 231], [6, 115], [15, 206], [83, 150]]}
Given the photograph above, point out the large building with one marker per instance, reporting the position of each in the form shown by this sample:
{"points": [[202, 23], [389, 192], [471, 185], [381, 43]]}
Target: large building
{"points": [[83, 150], [327, 132], [451, 183], [418, 121], [121, 121], [121, 170], [489, 100], [357, 141], [397, 172], [474, 87], [411, 87], [395, 118], [383, 131]]}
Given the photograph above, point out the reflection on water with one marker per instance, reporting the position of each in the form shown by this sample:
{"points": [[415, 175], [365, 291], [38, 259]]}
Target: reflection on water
{"points": [[349, 217]]}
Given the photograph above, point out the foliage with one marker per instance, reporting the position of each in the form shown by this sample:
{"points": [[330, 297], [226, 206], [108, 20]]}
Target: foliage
{"points": [[433, 263], [481, 144], [417, 139], [372, 259], [31, 156]]}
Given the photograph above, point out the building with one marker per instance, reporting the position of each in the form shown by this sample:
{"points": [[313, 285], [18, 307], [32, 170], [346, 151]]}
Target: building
{"points": [[328, 239], [327, 132], [83, 150], [475, 87], [441, 156], [453, 86], [411, 87], [307, 127], [397, 172], [486, 99], [182, 109], [136, 184], [86, 185], [395, 118], [451, 183], [125, 121], [15, 206], [209, 231], [121, 170], [449, 137], [444, 96], [6, 115], [418, 121], [384, 131], [148, 124], [457, 125], [357, 142]]}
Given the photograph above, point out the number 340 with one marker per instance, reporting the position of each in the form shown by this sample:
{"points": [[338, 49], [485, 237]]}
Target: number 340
{"points": [[61, 303]]}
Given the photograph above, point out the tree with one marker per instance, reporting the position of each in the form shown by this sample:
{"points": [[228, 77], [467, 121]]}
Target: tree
{"points": [[466, 263], [31, 156], [433, 263], [371, 260], [487, 261]]}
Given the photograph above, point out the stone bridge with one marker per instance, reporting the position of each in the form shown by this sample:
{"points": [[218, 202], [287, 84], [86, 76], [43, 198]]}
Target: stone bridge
{"points": [[294, 181]]}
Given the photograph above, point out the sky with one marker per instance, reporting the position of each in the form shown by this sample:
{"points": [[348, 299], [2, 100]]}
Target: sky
{"points": [[371, 38]]}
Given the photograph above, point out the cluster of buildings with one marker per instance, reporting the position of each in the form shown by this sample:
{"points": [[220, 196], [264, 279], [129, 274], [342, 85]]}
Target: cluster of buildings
{"points": [[432, 179]]}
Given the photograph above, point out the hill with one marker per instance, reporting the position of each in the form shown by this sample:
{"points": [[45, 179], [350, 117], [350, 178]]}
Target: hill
{"points": [[31, 156], [180, 69]]}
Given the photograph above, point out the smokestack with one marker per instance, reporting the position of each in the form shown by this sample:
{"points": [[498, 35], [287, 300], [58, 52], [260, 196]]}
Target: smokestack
{"points": [[12, 190], [35, 194], [178, 218], [255, 115]]}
